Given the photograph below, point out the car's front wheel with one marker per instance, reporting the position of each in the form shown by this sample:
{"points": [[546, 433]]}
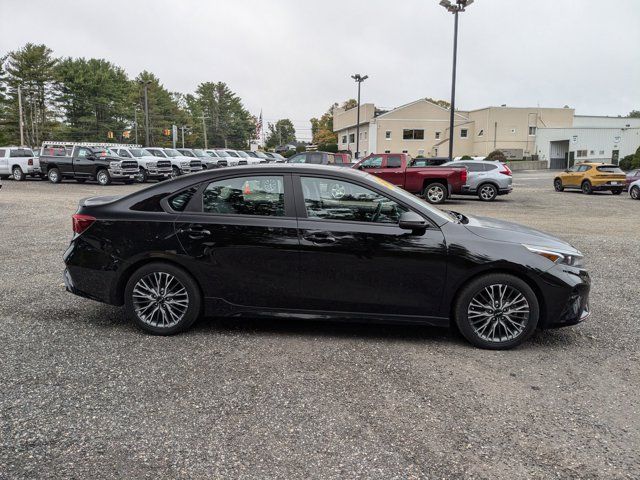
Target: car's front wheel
{"points": [[435, 193], [103, 177], [496, 311], [162, 299], [557, 185], [142, 176], [635, 193]]}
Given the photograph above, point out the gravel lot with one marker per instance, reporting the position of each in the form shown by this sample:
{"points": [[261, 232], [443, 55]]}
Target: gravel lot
{"points": [[84, 394]]}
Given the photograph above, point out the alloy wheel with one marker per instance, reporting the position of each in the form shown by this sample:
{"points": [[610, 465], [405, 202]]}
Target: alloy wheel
{"points": [[487, 192], [635, 193], [160, 300], [103, 177], [498, 313], [53, 176], [435, 194], [17, 174]]}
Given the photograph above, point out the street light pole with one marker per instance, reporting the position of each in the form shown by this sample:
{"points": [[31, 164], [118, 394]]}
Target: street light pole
{"points": [[359, 79], [456, 8]]}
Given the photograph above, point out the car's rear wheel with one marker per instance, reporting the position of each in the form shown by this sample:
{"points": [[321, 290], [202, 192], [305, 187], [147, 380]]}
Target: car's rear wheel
{"points": [[103, 177], [618, 191], [435, 193], [496, 311], [586, 187], [162, 299], [54, 175], [635, 193], [17, 174], [487, 192], [557, 185]]}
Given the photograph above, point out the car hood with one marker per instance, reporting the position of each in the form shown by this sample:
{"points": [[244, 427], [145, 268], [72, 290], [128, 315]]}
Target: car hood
{"points": [[493, 229]]}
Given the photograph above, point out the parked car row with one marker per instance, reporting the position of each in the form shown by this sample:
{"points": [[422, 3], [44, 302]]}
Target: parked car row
{"points": [[107, 163]]}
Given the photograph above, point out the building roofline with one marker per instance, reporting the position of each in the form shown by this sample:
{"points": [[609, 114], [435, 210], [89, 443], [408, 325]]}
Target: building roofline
{"points": [[418, 101], [523, 108]]}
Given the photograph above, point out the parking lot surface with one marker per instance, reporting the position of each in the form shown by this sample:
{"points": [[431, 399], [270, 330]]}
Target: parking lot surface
{"points": [[84, 394]]}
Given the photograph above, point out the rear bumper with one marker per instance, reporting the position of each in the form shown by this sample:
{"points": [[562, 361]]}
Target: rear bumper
{"points": [[608, 186]]}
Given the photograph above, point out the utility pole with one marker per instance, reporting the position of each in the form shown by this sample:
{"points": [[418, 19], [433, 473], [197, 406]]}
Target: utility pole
{"points": [[456, 8], [135, 123], [359, 79], [182, 135], [20, 115], [146, 83], [204, 131]]}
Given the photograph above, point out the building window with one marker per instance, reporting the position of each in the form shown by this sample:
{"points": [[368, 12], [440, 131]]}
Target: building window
{"points": [[464, 133], [387, 135], [387, 151], [421, 152], [404, 151], [352, 137], [437, 135], [592, 152], [581, 153], [481, 133], [412, 134], [601, 152], [344, 139], [435, 152], [532, 130]]}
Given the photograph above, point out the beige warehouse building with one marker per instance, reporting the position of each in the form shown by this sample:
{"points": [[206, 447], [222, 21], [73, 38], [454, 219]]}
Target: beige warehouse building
{"points": [[421, 128]]}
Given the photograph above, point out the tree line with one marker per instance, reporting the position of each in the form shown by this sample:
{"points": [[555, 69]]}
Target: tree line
{"points": [[94, 100]]}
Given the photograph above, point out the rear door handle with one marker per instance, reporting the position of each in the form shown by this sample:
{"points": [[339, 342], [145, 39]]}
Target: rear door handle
{"points": [[195, 232]]}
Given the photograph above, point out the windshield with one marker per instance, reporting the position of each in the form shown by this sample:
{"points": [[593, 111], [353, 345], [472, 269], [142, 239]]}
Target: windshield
{"points": [[200, 153], [211, 154], [172, 153], [140, 152], [243, 154], [232, 154]]}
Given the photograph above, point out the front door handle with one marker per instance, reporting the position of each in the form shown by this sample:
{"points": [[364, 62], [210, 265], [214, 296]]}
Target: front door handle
{"points": [[320, 238]]}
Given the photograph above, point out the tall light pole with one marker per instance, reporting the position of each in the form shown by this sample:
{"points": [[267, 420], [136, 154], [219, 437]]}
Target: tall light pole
{"points": [[146, 83], [359, 79], [455, 8]]}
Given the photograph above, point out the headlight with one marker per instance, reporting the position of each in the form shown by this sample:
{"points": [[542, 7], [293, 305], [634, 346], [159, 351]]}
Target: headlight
{"points": [[184, 164], [114, 164], [152, 164], [565, 257]]}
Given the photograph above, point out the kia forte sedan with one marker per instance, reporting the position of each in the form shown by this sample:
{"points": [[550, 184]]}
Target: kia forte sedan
{"points": [[315, 242]]}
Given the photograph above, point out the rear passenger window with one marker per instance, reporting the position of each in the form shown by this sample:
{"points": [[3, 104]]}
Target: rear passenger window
{"points": [[256, 195], [489, 166], [394, 162]]}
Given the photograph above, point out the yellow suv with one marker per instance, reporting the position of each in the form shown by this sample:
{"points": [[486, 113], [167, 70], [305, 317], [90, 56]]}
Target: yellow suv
{"points": [[591, 177]]}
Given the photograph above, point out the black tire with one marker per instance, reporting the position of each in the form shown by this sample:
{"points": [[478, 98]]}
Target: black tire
{"points": [[54, 175], [81, 180], [17, 174], [137, 313], [617, 191], [635, 193], [142, 176], [487, 192], [586, 187], [175, 171], [435, 193], [103, 177], [475, 291], [557, 185]]}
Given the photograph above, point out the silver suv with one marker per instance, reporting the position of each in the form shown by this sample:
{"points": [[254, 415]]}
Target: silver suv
{"points": [[487, 179]]}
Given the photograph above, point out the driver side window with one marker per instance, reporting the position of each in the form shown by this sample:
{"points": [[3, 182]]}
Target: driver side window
{"points": [[329, 199]]}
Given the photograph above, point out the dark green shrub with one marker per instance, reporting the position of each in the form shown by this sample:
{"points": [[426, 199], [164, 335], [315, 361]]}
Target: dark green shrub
{"points": [[466, 157], [625, 163], [496, 155]]}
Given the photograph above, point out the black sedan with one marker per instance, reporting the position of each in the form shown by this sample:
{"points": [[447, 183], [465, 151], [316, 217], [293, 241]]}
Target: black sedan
{"points": [[309, 241]]}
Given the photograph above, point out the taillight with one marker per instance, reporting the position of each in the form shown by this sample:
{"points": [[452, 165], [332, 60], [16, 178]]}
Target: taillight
{"points": [[82, 222], [464, 176], [30, 162], [505, 169]]}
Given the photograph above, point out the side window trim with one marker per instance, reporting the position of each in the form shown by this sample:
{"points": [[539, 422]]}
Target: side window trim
{"points": [[301, 208]]}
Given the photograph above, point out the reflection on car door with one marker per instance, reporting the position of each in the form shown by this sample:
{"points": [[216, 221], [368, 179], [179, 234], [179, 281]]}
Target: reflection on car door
{"points": [[354, 257], [241, 240]]}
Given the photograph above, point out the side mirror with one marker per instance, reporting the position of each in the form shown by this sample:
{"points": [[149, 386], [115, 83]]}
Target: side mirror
{"points": [[412, 221]]}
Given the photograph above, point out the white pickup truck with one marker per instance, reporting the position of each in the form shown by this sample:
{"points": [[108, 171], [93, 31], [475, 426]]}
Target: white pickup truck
{"points": [[151, 167], [18, 163]]}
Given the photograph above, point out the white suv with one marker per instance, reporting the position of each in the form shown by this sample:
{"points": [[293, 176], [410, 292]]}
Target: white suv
{"points": [[18, 163]]}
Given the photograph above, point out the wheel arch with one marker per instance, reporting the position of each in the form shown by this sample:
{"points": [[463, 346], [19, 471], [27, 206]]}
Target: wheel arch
{"points": [[429, 181], [121, 281], [542, 320]]}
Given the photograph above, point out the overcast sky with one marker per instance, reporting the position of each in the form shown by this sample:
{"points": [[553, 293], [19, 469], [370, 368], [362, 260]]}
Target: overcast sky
{"points": [[294, 58]]}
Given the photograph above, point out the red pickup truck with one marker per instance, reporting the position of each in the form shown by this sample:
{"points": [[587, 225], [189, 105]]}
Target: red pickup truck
{"points": [[435, 183]]}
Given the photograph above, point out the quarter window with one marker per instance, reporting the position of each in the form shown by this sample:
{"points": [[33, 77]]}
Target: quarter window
{"points": [[256, 195], [329, 199]]}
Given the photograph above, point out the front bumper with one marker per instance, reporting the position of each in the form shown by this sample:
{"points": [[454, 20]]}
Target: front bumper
{"points": [[128, 173], [159, 173], [566, 296]]}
